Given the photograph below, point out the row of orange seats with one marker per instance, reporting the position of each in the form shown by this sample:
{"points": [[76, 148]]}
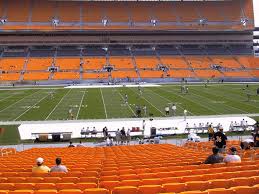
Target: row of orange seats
{"points": [[198, 187]]}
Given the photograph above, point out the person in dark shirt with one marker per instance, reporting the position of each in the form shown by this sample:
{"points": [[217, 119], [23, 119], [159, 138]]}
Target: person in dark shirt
{"points": [[71, 145], [215, 157], [220, 140]]}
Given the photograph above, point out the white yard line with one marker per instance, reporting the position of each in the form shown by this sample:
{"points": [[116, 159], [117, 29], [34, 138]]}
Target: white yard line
{"points": [[57, 104], [169, 101], [7, 97], [224, 104], [103, 104], [127, 104], [80, 105], [192, 102], [17, 101], [150, 103], [30, 107]]}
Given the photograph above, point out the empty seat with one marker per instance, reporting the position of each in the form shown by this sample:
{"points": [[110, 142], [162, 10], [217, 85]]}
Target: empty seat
{"points": [[150, 189], [125, 190], [174, 187]]}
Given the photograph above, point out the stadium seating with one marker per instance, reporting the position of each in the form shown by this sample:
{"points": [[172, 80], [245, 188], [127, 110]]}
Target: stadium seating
{"points": [[143, 169], [39, 64], [118, 15], [68, 63], [174, 62], [12, 64], [146, 62], [121, 62]]}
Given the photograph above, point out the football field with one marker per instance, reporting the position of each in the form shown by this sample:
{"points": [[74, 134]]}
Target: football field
{"points": [[54, 103]]}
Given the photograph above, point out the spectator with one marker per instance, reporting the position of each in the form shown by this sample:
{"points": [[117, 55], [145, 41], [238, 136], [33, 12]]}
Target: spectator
{"points": [[232, 156], [40, 168], [118, 137], [128, 137], [220, 140], [71, 145], [58, 167], [256, 135], [210, 132], [80, 144], [215, 157], [123, 135]]}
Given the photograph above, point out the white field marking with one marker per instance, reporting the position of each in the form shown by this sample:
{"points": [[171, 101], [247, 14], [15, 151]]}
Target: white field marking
{"points": [[57, 104], [150, 103], [17, 101], [103, 103], [223, 101], [193, 102], [7, 97], [127, 104], [31, 107], [229, 98], [169, 101], [80, 105]]}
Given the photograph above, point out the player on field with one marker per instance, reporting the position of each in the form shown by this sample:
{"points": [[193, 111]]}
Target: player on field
{"points": [[126, 99], [70, 114], [174, 109], [145, 110]]}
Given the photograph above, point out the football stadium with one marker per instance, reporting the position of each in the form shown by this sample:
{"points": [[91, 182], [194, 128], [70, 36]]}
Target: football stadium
{"points": [[129, 97]]}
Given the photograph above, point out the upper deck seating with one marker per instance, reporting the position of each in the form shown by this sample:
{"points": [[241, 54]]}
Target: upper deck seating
{"points": [[38, 15]]}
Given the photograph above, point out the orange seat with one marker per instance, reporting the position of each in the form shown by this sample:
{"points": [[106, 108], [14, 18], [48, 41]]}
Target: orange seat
{"points": [[109, 185], [24, 186], [220, 183], [220, 191], [150, 189], [7, 186], [125, 190], [21, 192], [244, 189], [174, 187], [96, 191], [61, 186], [197, 185], [49, 186], [135, 183], [84, 186], [70, 191], [46, 191]]}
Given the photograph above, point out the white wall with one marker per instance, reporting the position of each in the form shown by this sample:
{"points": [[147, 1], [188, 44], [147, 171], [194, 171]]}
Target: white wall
{"points": [[256, 12]]}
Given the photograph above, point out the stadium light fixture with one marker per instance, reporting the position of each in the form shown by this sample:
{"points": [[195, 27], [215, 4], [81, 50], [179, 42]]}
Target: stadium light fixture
{"points": [[105, 22], [244, 21], [55, 22], [153, 22], [3, 21]]}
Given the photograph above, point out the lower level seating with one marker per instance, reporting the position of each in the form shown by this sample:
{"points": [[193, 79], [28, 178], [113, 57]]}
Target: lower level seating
{"points": [[66, 75], [97, 75], [10, 76], [151, 74], [208, 73], [240, 74], [181, 73], [31, 76], [124, 74]]}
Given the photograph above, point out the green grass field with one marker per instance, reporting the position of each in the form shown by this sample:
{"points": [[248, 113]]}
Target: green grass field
{"points": [[37, 104]]}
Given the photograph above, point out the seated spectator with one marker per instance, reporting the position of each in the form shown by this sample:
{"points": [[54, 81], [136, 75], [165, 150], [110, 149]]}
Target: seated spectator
{"points": [[71, 145], [215, 157], [232, 156], [58, 167], [220, 140], [80, 144], [40, 168]]}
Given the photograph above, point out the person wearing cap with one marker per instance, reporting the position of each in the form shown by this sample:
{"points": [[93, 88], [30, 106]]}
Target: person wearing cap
{"points": [[220, 140], [59, 167], [215, 157], [232, 156], [40, 168]]}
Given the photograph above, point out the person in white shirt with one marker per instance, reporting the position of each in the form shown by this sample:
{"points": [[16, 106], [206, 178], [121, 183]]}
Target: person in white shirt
{"points": [[185, 114], [232, 156], [174, 109], [167, 110]]}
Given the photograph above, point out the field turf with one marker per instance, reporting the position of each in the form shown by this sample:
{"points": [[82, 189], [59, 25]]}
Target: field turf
{"points": [[37, 103]]}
